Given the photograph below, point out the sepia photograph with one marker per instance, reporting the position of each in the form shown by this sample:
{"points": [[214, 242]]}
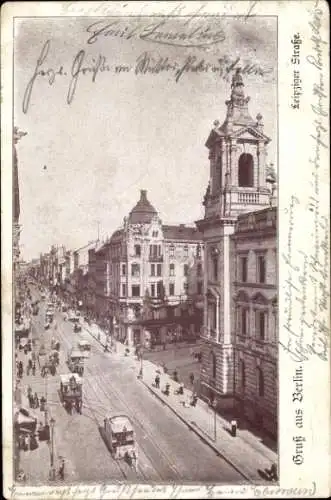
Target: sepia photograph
{"points": [[146, 251], [145, 211]]}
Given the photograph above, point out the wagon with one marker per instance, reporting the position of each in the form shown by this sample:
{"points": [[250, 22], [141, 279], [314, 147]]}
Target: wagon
{"points": [[120, 437], [71, 391]]}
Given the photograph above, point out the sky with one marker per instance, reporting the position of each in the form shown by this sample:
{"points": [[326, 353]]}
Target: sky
{"points": [[92, 145]]}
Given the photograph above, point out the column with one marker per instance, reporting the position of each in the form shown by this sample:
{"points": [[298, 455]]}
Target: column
{"points": [[218, 318]]}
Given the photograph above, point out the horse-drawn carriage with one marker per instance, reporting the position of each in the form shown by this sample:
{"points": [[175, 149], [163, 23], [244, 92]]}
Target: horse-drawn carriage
{"points": [[48, 363], [120, 438], [55, 344], [84, 345], [71, 392], [76, 359]]}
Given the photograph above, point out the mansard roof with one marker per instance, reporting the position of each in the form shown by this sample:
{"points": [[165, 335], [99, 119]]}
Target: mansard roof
{"points": [[181, 232]]}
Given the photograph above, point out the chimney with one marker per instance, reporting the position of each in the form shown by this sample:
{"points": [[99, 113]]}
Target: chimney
{"points": [[143, 195]]}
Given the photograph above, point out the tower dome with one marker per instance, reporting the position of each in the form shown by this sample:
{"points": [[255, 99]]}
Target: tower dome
{"points": [[143, 212]]}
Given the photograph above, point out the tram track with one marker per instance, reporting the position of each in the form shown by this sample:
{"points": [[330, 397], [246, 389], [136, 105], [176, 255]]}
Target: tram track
{"points": [[109, 396], [135, 418]]}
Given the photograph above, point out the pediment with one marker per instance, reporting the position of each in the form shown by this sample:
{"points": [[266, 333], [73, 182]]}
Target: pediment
{"points": [[250, 133], [241, 297], [260, 299]]}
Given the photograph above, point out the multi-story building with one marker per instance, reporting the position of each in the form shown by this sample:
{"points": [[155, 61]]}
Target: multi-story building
{"points": [[237, 153], [145, 257]]}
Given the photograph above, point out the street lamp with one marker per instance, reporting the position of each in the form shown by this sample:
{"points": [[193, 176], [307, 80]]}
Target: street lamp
{"points": [[214, 405], [52, 469]]}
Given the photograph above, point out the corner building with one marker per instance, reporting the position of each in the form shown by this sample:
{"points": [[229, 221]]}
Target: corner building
{"points": [[145, 258], [234, 373]]}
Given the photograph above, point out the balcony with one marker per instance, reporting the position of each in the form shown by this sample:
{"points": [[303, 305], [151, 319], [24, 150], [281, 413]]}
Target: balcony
{"points": [[155, 258]]}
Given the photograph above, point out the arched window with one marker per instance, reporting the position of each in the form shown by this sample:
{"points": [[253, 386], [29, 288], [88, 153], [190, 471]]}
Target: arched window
{"points": [[213, 364], [245, 170], [135, 270], [260, 381]]}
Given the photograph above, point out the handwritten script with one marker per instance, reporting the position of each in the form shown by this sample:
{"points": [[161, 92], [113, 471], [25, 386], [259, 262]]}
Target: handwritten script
{"points": [[307, 284], [84, 65], [146, 491]]}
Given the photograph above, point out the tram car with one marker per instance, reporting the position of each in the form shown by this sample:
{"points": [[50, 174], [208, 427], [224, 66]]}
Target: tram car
{"points": [[76, 360], [120, 438], [71, 392]]}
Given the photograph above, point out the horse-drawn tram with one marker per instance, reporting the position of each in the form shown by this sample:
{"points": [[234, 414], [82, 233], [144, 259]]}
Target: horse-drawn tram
{"points": [[76, 359], [120, 437], [71, 392]]}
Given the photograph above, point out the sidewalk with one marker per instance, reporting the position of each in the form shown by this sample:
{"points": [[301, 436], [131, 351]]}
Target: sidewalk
{"points": [[245, 452]]}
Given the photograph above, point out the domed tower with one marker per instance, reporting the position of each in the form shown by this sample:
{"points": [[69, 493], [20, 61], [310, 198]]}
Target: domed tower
{"points": [[237, 184], [237, 154]]}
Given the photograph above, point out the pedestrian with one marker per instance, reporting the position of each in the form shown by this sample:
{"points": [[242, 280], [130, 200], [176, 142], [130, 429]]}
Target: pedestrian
{"points": [[33, 368], [192, 378], [61, 470], [36, 400], [157, 381]]}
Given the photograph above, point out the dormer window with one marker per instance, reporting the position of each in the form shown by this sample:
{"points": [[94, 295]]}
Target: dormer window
{"points": [[246, 170]]}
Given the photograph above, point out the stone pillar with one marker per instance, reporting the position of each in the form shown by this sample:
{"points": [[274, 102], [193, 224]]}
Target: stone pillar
{"points": [[217, 318]]}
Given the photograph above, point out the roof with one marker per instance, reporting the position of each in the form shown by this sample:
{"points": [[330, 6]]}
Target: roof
{"points": [[118, 423], [66, 378], [181, 232], [143, 212], [117, 235], [83, 342], [75, 353]]}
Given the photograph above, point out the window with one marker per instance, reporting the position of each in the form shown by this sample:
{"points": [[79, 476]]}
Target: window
{"points": [[213, 364], [199, 270], [159, 270], [152, 269], [155, 234], [261, 269], [244, 321], [245, 170], [137, 250], [260, 324], [172, 269], [123, 269], [215, 268], [159, 289], [123, 290], [153, 290], [135, 270], [135, 291], [243, 269], [171, 289], [171, 250], [199, 288], [185, 269], [198, 253], [185, 287], [260, 381], [154, 250], [185, 251]]}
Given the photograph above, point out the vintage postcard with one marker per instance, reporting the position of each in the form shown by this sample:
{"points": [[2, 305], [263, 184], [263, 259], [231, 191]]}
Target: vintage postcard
{"points": [[165, 243]]}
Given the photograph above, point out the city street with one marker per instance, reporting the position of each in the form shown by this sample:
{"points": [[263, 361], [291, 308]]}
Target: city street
{"points": [[167, 450]]}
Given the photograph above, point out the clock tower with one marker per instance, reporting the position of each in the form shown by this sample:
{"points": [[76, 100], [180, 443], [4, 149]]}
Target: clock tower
{"points": [[237, 184]]}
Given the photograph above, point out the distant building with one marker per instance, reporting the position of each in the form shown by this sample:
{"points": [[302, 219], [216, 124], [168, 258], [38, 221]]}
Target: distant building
{"points": [[145, 258], [239, 359]]}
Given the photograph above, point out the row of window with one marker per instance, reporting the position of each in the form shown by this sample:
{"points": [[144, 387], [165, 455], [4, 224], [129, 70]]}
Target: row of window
{"points": [[242, 375], [243, 319], [156, 270], [157, 289], [156, 251], [261, 274], [243, 269], [259, 378]]}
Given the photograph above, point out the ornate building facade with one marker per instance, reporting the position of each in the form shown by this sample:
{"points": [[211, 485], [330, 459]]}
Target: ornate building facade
{"points": [[237, 186], [146, 258]]}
